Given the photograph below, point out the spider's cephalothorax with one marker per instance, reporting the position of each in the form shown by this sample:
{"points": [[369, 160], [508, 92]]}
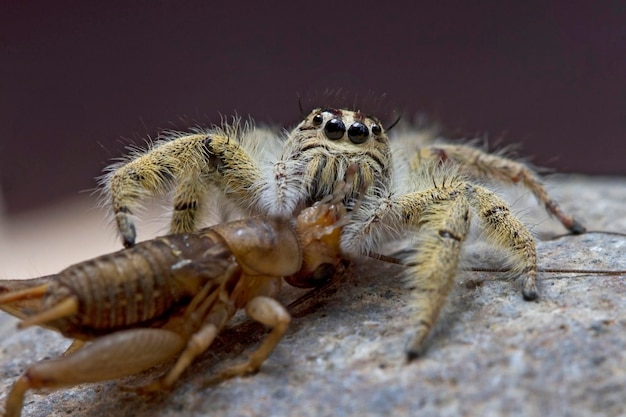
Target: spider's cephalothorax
{"points": [[262, 173], [327, 142]]}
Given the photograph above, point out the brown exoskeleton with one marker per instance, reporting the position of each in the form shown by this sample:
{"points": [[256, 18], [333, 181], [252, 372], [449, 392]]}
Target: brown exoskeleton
{"points": [[169, 297]]}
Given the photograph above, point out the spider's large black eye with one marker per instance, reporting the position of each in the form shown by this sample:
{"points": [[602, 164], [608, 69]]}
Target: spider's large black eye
{"points": [[318, 119], [358, 132], [334, 129]]}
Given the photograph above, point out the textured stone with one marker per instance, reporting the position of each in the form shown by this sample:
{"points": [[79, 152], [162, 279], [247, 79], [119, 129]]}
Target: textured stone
{"points": [[494, 354]]}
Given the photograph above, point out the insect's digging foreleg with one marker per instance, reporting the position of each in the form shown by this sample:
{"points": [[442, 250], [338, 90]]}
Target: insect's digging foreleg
{"points": [[444, 227], [119, 354], [507, 232], [271, 313], [476, 162]]}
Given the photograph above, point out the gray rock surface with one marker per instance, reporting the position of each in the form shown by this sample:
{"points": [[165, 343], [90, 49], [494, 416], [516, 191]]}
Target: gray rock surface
{"points": [[494, 354]]}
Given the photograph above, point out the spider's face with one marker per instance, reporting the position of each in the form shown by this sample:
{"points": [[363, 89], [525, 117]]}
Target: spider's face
{"points": [[342, 131], [328, 141]]}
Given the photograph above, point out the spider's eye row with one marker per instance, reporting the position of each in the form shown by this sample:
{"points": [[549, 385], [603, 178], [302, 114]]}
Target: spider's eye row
{"points": [[334, 129], [358, 132], [376, 129], [318, 119]]}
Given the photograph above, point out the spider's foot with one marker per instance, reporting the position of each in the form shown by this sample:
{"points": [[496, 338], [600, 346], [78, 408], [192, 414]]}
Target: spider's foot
{"points": [[577, 228], [529, 291], [416, 346], [126, 228], [411, 355]]}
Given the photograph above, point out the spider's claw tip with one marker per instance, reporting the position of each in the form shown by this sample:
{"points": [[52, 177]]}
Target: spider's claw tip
{"points": [[128, 240], [530, 294], [577, 228], [411, 355]]}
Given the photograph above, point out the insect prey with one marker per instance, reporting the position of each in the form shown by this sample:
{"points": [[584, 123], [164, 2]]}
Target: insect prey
{"points": [[169, 297]]}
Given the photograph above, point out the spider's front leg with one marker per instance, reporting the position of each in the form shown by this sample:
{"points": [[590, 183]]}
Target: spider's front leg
{"points": [[475, 162], [190, 164]]}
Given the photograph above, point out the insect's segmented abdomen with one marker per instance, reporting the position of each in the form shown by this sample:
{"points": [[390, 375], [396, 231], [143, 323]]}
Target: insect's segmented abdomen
{"points": [[140, 284]]}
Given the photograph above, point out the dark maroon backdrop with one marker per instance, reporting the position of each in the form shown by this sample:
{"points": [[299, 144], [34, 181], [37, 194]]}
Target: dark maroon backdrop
{"points": [[78, 76]]}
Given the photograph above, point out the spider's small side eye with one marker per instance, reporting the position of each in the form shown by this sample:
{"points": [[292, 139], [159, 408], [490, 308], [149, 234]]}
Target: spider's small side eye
{"points": [[376, 129], [318, 119], [358, 132], [335, 129]]}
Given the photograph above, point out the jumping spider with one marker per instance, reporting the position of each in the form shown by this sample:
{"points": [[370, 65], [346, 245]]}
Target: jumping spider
{"points": [[262, 174]]}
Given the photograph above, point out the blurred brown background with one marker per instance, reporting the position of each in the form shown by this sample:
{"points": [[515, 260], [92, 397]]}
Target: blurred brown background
{"points": [[77, 76]]}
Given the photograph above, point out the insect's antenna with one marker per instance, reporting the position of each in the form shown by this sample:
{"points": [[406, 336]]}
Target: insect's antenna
{"points": [[391, 126]]}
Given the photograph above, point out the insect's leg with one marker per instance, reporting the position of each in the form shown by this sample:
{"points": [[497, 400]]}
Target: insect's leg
{"points": [[113, 356], [476, 162], [74, 347], [64, 308], [271, 313], [24, 294], [507, 232], [25, 299], [206, 314], [443, 217], [196, 345]]}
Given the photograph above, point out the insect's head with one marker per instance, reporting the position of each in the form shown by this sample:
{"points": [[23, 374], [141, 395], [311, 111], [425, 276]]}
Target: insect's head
{"points": [[319, 232]]}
